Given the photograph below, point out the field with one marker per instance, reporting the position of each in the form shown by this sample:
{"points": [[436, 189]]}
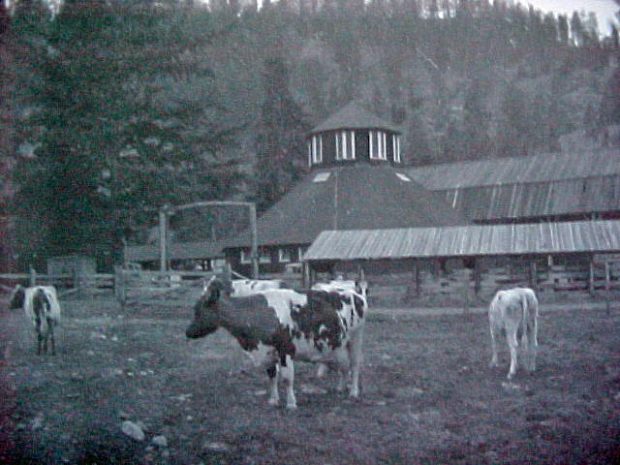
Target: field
{"points": [[428, 396]]}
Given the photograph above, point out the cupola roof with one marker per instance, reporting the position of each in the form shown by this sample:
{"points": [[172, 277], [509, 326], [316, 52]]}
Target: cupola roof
{"points": [[354, 116]]}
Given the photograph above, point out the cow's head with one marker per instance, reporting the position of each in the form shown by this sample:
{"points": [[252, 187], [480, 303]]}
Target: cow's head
{"points": [[206, 311], [17, 297]]}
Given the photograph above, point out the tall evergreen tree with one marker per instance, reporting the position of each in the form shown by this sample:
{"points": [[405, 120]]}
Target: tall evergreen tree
{"points": [[281, 150]]}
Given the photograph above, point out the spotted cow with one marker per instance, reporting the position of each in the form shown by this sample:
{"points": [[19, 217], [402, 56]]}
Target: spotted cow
{"points": [[40, 303], [279, 326], [245, 287], [513, 311]]}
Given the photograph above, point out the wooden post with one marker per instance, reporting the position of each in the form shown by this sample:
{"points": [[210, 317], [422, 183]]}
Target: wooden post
{"points": [[163, 239], [417, 279], [607, 287], [591, 277], [477, 277], [533, 276], [466, 291], [305, 276], [254, 252], [33, 276]]}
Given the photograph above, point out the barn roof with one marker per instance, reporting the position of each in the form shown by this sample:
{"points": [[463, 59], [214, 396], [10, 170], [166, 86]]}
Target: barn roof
{"points": [[519, 170], [528, 187], [177, 251], [473, 240], [354, 116], [360, 196]]}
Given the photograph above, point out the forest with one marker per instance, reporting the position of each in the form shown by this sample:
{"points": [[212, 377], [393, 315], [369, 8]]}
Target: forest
{"points": [[111, 109]]}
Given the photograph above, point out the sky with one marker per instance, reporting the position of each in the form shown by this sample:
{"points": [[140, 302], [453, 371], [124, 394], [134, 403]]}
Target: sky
{"points": [[605, 10]]}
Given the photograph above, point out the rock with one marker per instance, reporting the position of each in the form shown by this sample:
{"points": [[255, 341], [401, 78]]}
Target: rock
{"points": [[132, 430], [216, 446], [512, 387], [142, 426], [160, 441]]}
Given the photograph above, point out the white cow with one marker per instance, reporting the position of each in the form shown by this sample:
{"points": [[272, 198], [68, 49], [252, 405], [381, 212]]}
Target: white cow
{"points": [[40, 303], [512, 311]]}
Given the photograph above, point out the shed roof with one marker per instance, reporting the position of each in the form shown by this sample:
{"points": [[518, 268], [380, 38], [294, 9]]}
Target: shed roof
{"points": [[475, 240], [177, 251], [359, 196], [354, 116], [518, 170]]}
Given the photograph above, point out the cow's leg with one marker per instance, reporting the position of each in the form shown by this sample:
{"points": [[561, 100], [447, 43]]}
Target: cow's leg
{"points": [[274, 396], [39, 343], [343, 365], [321, 371], [494, 334], [525, 345], [533, 343], [288, 375], [50, 325], [356, 361], [511, 337]]}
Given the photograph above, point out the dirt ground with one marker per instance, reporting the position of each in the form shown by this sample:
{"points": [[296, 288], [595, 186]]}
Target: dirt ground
{"points": [[428, 395]]}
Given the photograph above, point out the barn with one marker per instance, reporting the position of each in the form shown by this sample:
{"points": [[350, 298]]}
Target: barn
{"points": [[441, 233], [548, 221], [357, 181]]}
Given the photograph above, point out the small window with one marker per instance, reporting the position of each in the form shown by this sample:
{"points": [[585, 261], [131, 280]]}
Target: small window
{"points": [[316, 149], [377, 143], [321, 177], [396, 148], [300, 253], [264, 256], [345, 145], [284, 255]]}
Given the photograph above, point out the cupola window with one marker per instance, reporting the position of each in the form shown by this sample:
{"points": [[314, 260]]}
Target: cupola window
{"points": [[315, 150], [345, 145], [396, 148], [378, 145]]}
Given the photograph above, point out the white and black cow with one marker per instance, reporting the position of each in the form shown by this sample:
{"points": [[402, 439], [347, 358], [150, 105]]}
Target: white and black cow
{"points": [[245, 287], [276, 327], [513, 311], [40, 303]]}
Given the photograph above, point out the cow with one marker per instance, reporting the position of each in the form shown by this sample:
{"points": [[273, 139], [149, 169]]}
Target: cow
{"points": [[279, 326], [512, 311], [40, 303], [245, 287], [340, 285]]}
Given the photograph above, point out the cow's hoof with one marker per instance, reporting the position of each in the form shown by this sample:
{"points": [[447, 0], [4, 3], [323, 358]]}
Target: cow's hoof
{"points": [[273, 402], [510, 376], [291, 406]]}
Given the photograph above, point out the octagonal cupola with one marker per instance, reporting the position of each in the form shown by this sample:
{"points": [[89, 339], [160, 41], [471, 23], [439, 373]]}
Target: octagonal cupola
{"points": [[351, 135]]}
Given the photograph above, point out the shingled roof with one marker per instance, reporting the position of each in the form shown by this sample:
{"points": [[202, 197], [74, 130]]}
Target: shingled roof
{"points": [[354, 116], [352, 197], [550, 185]]}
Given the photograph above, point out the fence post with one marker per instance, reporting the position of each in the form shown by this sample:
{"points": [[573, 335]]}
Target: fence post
{"points": [[607, 286], [466, 291], [119, 285], [32, 276]]}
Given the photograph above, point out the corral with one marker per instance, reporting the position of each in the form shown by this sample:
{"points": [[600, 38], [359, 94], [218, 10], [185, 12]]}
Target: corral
{"points": [[428, 396]]}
